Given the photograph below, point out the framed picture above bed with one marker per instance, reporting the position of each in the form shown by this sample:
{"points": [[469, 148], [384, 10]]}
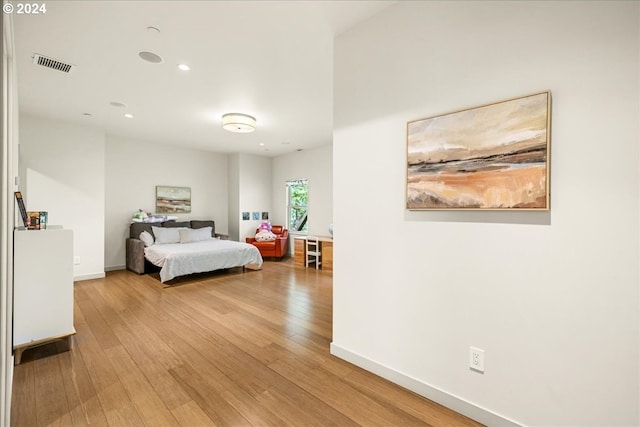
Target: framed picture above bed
{"points": [[173, 199], [493, 157]]}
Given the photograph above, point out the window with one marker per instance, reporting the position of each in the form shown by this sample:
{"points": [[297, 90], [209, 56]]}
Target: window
{"points": [[297, 202]]}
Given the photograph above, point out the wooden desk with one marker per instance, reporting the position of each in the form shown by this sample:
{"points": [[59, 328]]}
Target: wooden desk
{"points": [[326, 249]]}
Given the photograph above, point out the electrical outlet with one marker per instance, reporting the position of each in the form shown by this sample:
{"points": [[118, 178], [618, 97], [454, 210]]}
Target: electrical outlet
{"points": [[476, 359], [76, 260]]}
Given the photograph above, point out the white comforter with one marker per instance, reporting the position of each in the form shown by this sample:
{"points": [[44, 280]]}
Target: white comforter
{"points": [[178, 259]]}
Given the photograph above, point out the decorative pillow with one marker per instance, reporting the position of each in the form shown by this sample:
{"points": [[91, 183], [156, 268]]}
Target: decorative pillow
{"points": [[188, 235], [147, 238], [265, 236], [264, 225], [167, 234]]}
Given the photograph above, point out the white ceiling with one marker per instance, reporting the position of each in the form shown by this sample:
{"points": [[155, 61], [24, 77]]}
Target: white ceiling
{"points": [[270, 59]]}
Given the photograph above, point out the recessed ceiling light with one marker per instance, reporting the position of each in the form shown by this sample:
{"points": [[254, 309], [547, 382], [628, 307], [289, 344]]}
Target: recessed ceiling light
{"points": [[150, 57], [184, 67], [87, 114], [129, 116], [261, 144], [117, 104]]}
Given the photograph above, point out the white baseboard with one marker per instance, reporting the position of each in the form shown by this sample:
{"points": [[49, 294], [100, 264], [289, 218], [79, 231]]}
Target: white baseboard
{"points": [[115, 268], [448, 400], [82, 277]]}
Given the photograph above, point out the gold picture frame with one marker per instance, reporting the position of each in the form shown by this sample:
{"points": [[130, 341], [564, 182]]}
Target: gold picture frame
{"points": [[492, 157]]}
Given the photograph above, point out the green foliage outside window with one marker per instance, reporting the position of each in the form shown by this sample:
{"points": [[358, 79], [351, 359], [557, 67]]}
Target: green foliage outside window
{"points": [[298, 199]]}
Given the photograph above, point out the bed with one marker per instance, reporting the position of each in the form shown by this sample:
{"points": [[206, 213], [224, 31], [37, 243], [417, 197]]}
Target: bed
{"points": [[179, 259], [181, 248]]}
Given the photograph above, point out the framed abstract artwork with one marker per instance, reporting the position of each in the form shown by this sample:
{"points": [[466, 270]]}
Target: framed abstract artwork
{"points": [[173, 199], [493, 157]]}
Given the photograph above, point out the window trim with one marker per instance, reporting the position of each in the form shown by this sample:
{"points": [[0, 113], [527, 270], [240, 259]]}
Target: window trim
{"points": [[289, 206]]}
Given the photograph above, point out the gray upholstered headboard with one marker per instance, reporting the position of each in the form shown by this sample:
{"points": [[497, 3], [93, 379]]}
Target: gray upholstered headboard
{"points": [[201, 224], [138, 227]]}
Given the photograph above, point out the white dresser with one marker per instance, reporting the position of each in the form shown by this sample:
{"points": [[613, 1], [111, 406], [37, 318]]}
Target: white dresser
{"points": [[43, 288]]}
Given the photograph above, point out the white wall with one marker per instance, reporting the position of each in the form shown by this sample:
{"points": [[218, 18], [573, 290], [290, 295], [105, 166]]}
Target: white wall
{"points": [[62, 172], [315, 165], [552, 297], [9, 161], [134, 169], [255, 191], [234, 197], [257, 184], [249, 191]]}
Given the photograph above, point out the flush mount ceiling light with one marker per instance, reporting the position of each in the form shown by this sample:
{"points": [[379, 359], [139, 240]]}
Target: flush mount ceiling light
{"points": [[184, 67], [238, 122]]}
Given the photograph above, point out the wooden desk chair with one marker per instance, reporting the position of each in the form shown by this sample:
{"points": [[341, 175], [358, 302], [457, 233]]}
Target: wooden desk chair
{"points": [[313, 252]]}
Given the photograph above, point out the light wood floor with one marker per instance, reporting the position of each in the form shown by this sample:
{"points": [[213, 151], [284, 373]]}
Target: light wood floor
{"points": [[235, 349]]}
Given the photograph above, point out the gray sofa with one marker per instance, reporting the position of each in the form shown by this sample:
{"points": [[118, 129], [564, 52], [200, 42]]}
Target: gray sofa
{"points": [[135, 247]]}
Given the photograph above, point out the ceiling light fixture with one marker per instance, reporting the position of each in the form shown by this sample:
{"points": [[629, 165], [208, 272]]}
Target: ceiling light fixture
{"points": [[238, 122], [129, 116], [184, 67]]}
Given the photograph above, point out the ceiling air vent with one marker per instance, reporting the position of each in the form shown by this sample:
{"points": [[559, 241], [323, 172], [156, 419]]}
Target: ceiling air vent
{"points": [[52, 63]]}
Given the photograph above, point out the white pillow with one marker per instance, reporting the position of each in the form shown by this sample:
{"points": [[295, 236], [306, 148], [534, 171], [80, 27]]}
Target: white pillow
{"points": [[265, 236], [167, 234], [147, 238], [188, 235]]}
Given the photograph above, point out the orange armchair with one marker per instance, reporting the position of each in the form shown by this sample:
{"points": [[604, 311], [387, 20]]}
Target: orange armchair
{"points": [[275, 248]]}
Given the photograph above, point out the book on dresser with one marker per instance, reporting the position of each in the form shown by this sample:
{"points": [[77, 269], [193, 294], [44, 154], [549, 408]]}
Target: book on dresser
{"points": [[21, 208]]}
